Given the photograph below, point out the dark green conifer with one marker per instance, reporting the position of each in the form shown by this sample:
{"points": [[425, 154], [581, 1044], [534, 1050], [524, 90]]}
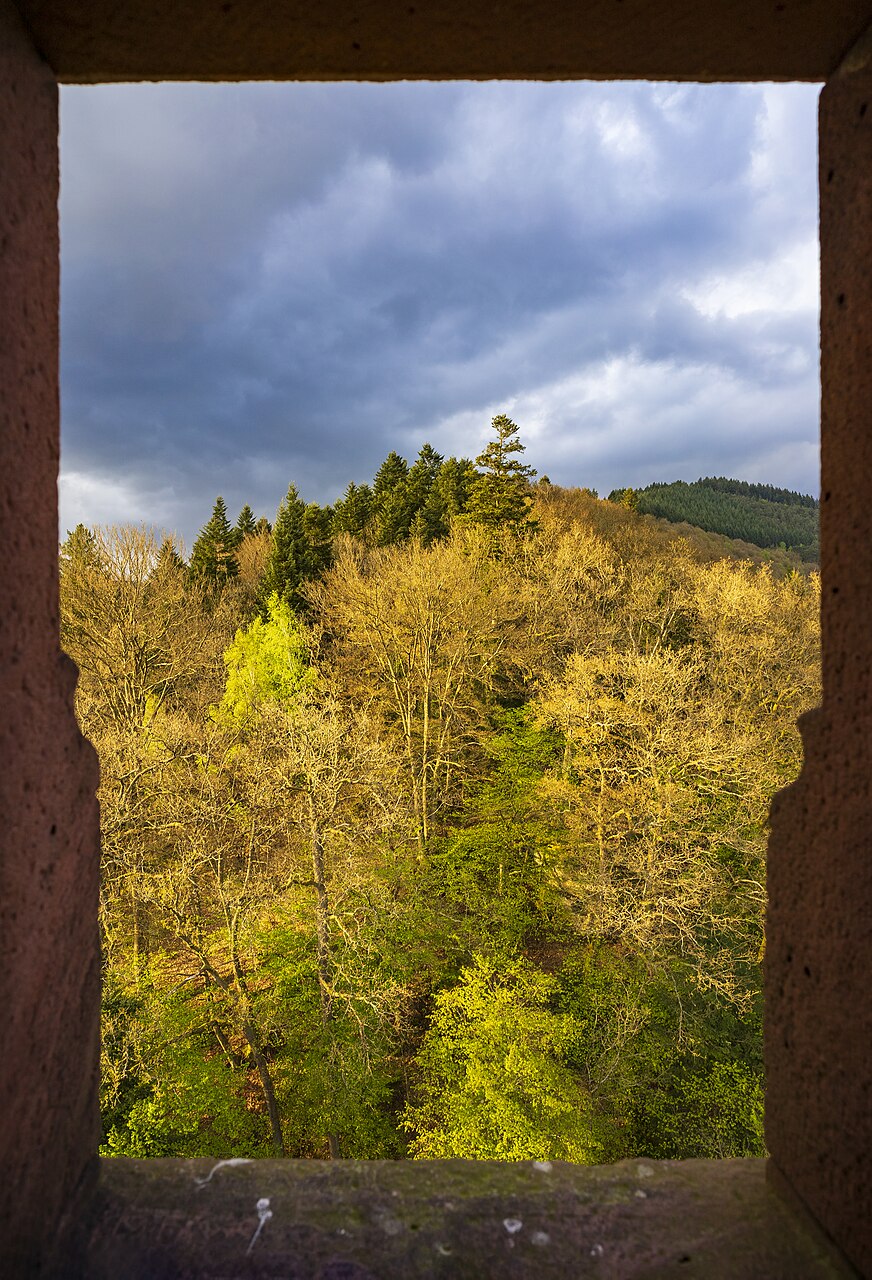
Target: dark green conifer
{"points": [[500, 494], [245, 524], [454, 484], [422, 476], [353, 512], [78, 548], [213, 559], [289, 561], [392, 514], [426, 507], [318, 529], [624, 498]]}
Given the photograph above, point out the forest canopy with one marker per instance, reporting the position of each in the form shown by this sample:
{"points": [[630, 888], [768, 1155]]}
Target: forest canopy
{"points": [[434, 823], [757, 513]]}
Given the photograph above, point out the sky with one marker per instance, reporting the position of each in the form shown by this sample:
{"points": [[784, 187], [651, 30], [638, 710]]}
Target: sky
{"points": [[272, 284]]}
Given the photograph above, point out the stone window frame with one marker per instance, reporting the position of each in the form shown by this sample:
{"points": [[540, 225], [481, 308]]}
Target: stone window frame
{"points": [[819, 927]]}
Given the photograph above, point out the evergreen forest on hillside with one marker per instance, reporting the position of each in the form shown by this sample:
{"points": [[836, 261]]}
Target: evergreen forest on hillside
{"points": [[756, 513], [434, 822]]}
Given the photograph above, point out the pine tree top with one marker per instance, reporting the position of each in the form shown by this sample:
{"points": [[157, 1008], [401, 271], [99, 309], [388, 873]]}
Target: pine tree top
{"points": [[499, 495], [245, 523], [496, 459], [393, 471]]}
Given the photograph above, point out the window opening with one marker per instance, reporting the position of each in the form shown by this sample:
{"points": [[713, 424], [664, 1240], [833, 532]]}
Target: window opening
{"points": [[416, 843]]}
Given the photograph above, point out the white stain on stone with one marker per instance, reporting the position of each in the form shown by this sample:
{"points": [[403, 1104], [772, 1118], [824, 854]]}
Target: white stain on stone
{"points": [[597, 1251], [543, 1166], [222, 1164], [264, 1213], [641, 1195], [540, 1238], [512, 1225], [440, 1248], [644, 1171]]}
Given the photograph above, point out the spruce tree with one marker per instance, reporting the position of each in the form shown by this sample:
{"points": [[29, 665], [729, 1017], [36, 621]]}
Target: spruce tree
{"points": [[454, 484], [168, 559], [353, 512], [392, 515], [318, 528], [499, 495], [426, 508], [289, 561], [79, 548], [245, 524], [213, 559], [422, 475]]}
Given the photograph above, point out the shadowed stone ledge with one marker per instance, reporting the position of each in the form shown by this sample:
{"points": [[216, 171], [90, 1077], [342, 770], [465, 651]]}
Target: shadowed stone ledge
{"points": [[380, 1220]]}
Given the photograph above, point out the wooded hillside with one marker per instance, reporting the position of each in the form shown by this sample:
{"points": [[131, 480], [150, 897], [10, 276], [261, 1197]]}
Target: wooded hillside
{"points": [[435, 825], [756, 513]]}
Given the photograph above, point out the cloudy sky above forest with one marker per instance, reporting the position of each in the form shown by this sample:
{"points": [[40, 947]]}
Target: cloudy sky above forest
{"points": [[273, 283]]}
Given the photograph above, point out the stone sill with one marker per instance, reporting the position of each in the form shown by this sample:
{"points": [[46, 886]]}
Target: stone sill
{"points": [[360, 1220]]}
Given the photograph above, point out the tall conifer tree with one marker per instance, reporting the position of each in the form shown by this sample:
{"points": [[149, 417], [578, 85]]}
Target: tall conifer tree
{"points": [[245, 523], [454, 484], [392, 514], [500, 494], [425, 504], [213, 558], [318, 528], [290, 561], [353, 512]]}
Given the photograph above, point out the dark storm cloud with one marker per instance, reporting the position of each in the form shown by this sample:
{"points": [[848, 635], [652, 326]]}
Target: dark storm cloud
{"points": [[273, 283]]}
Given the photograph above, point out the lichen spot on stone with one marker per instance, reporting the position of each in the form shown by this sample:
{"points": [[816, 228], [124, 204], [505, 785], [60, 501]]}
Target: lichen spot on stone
{"points": [[540, 1238], [543, 1166], [512, 1225]]}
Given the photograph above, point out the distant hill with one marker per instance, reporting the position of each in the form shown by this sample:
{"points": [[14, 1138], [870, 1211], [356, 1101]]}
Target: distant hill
{"points": [[618, 522], [760, 514]]}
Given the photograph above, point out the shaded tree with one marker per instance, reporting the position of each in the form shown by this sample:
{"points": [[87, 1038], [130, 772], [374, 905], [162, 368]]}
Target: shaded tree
{"points": [[318, 530], [213, 558], [289, 562], [245, 523], [353, 512], [391, 504]]}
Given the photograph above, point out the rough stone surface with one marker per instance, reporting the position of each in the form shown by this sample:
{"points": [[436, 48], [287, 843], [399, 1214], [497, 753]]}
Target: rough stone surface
{"points": [[453, 39], [463, 1220], [49, 970], [819, 929], [152, 1219]]}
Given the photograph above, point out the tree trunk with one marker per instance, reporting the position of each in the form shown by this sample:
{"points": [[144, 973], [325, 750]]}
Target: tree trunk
{"points": [[251, 1035], [325, 966]]}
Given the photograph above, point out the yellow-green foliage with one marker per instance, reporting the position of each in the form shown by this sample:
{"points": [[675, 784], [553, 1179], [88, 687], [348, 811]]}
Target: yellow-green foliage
{"points": [[493, 1084], [489, 880], [268, 661]]}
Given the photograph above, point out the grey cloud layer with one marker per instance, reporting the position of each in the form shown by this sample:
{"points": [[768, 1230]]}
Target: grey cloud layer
{"points": [[269, 283]]}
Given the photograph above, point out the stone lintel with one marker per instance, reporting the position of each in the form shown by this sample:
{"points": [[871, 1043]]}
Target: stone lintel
{"points": [[103, 40]]}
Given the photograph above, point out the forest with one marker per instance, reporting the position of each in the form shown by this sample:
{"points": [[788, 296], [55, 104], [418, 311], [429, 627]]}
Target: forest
{"points": [[756, 513], [434, 823]]}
